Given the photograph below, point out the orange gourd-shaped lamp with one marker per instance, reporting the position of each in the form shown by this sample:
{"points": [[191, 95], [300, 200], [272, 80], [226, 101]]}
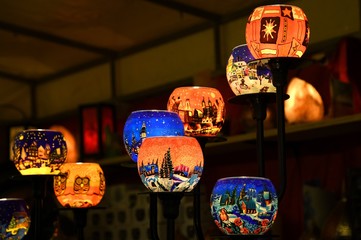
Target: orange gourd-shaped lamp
{"points": [[277, 31], [201, 109], [80, 185]]}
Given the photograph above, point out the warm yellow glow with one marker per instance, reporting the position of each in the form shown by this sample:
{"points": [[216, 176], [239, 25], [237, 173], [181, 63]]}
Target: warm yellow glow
{"points": [[305, 103], [80, 185]]}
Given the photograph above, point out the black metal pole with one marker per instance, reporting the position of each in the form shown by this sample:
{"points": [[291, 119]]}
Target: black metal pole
{"points": [[197, 198], [80, 218], [170, 202], [279, 68], [153, 212], [259, 104], [39, 191]]}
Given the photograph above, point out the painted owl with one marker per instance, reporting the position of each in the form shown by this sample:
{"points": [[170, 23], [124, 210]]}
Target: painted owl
{"points": [[101, 183], [81, 185], [60, 183]]}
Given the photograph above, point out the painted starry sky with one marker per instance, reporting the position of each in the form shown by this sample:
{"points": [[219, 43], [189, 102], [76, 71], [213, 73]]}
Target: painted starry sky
{"points": [[158, 123], [9, 206], [242, 53], [41, 137]]}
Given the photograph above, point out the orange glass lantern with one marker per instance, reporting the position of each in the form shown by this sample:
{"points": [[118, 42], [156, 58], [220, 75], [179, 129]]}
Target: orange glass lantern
{"points": [[170, 163], [80, 185], [201, 109], [277, 31]]}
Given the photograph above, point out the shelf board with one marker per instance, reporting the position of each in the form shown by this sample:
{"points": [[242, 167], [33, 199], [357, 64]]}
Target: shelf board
{"points": [[294, 133]]}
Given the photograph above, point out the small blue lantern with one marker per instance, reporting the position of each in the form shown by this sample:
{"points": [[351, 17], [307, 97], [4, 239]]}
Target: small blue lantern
{"points": [[149, 123], [244, 205], [14, 218]]}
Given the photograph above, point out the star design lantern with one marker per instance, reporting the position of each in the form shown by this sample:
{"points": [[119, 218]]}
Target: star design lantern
{"points": [[277, 31]]}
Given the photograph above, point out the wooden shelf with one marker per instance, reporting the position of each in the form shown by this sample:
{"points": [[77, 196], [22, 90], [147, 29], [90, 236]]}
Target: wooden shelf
{"points": [[294, 133]]}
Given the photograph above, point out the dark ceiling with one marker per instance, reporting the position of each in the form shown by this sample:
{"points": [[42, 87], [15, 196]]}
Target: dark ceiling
{"points": [[41, 40]]}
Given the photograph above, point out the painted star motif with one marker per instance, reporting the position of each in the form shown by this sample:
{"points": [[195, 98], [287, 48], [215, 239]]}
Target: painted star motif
{"points": [[257, 13], [287, 12], [298, 13], [269, 29]]}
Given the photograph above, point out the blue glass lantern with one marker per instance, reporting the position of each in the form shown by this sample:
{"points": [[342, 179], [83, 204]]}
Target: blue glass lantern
{"points": [[39, 151], [149, 123], [14, 218], [246, 75], [244, 205]]}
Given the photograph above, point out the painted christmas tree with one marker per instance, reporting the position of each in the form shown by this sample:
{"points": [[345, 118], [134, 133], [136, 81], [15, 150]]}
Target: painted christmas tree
{"points": [[167, 169]]}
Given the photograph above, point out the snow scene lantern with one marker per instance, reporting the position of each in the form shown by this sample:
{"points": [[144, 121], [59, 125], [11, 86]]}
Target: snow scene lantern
{"points": [[170, 163], [244, 205], [39, 151], [14, 218], [201, 109], [80, 185], [149, 123], [277, 31], [245, 75]]}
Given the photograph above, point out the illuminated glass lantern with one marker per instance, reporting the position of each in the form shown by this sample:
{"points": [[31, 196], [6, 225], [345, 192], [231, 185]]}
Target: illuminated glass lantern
{"points": [[201, 109], [14, 218], [80, 185], [149, 123], [170, 163], [277, 31], [244, 205], [247, 76], [305, 103], [39, 151]]}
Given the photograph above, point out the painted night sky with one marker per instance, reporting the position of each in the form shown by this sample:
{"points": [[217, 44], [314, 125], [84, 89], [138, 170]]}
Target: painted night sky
{"points": [[242, 53], [157, 123], [41, 137]]}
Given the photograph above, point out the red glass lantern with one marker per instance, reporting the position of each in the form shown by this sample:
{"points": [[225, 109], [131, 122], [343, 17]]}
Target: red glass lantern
{"points": [[97, 123], [79, 185], [277, 31], [201, 109]]}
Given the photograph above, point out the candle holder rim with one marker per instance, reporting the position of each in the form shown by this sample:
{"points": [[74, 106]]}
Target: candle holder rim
{"points": [[170, 136], [153, 110], [40, 130], [278, 4], [12, 199], [196, 87], [239, 45], [243, 177], [81, 163]]}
